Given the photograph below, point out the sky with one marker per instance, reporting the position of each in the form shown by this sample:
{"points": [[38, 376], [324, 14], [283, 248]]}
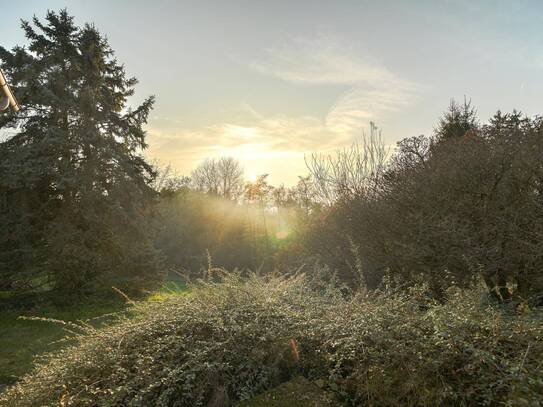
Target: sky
{"points": [[270, 82]]}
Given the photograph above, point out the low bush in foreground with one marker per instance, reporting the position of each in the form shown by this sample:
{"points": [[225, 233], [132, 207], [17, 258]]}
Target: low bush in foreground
{"points": [[230, 340]]}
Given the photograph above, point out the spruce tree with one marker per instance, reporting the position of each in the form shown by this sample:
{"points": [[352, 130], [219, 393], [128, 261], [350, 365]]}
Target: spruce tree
{"points": [[457, 121], [76, 186]]}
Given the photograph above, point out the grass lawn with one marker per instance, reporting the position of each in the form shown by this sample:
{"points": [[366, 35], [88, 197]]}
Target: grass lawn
{"points": [[22, 340]]}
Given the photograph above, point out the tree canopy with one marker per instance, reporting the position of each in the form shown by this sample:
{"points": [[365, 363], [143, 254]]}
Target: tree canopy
{"points": [[77, 184]]}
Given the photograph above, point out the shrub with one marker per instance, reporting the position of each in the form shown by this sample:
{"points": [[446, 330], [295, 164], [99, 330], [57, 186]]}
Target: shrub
{"points": [[229, 340], [464, 203]]}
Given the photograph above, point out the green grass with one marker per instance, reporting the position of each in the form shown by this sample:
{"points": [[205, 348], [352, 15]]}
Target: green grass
{"points": [[22, 340]]}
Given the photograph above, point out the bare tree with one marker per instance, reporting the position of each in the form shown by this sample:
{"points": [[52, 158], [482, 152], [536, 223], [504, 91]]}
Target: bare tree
{"points": [[219, 176], [305, 195], [167, 179], [353, 171]]}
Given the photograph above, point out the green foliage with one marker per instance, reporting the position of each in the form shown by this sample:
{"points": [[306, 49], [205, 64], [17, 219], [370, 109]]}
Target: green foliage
{"points": [[458, 120], [75, 184], [26, 330], [230, 340], [406, 350]]}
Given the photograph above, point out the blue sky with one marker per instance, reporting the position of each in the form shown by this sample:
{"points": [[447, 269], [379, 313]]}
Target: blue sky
{"points": [[270, 81]]}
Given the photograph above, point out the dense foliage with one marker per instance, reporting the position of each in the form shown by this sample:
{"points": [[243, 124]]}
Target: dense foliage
{"points": [[75, 188], [230, 340], [431, 254], [446, 209]]}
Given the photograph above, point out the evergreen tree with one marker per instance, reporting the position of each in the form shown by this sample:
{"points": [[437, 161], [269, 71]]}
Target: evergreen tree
{"points": [[76, 186], [457, 121]]}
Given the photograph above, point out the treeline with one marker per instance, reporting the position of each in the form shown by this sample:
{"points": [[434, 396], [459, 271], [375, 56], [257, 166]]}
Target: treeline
{"points": [[82, 210], [462, 205], [445, 210], [215, 218]]}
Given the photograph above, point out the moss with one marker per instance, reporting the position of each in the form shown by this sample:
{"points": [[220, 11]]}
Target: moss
{"points": [[298, 392]]}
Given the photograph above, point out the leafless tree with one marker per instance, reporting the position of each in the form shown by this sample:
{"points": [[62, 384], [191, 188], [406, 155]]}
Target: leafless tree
{"points": [[219, 176], [353, 171], [167, 178]]}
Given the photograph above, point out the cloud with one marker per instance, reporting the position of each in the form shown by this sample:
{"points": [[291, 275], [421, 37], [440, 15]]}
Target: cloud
{"points": [[319, 61], [373, 90], [263, 144], [354, 109], [248, 138], [366, 92]]}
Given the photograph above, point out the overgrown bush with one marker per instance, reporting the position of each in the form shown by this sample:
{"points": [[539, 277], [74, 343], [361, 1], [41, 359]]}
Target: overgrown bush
{"points": [[229, 340], [446, 209]]}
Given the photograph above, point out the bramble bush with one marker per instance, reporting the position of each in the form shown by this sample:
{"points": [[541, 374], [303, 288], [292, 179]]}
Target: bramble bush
{"points": [[228, 340]]}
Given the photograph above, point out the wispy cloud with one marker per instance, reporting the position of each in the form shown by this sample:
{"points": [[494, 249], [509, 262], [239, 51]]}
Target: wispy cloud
{"points": [[373, 90], [319, 61], [354, 109], [367, 92], [249, 138]]}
